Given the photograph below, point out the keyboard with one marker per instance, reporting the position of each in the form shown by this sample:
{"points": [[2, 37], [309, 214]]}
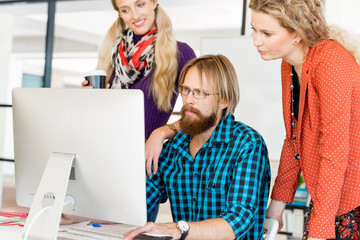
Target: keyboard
{"points": [[112, 232]]}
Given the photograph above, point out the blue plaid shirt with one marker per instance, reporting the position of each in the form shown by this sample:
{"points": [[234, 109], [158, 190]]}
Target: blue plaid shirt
{"points": [[229, 178]]}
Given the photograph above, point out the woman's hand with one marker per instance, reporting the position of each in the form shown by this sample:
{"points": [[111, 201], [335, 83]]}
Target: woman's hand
{"points": [[154, 145], [153, 148], [84, 84], [275, 211]]}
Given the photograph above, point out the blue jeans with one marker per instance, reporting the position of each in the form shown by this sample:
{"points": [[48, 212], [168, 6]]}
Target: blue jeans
{"points": [[151, 217]]}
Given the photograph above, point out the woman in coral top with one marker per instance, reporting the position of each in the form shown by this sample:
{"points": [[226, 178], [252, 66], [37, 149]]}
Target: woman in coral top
{"points": [[321, 107]]}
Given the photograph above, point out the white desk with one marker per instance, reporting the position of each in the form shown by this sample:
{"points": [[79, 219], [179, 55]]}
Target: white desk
{"points": [[14, 233]]}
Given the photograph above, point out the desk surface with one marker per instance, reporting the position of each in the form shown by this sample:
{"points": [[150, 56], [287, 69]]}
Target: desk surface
{"points": [[14, 233]]}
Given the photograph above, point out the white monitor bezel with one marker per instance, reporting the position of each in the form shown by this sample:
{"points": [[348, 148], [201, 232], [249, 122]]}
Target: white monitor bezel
{"points": [[104, 129]]}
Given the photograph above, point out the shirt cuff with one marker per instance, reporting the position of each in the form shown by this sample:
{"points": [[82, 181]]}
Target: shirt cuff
{"points": [[283, 193], [240, 223]]}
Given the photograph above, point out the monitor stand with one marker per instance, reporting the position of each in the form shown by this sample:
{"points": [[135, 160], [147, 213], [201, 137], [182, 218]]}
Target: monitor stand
{"points": [[45, 212]]}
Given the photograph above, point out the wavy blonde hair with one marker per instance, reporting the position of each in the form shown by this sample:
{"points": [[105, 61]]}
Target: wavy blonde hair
{"points": [[166, 64], [306, 18], [221, 77]]}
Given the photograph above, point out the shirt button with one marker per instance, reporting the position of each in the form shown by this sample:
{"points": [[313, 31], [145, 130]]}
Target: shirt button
{"points": [[194, 199], [297, 156], [195, 175]]}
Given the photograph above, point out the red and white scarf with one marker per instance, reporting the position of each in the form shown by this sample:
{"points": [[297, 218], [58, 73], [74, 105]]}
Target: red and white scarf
{"points": [[129, 59]]}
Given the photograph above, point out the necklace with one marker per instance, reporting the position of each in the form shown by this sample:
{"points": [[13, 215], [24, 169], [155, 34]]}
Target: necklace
{"points": [[293, 123]]}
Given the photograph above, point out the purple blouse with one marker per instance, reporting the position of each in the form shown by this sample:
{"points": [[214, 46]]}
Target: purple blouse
{"points": [[155, 118]]}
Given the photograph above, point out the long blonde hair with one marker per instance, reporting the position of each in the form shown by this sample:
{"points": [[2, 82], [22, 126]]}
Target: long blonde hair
{"points": [[166, 70], [306, 18]]}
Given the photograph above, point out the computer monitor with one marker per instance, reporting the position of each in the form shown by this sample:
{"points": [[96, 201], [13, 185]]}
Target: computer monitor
{"points": [[87, 144]]}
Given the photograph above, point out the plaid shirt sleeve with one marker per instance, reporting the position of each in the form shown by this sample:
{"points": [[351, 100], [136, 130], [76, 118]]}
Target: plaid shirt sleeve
{"points": [[155, 186], [245, 205]]}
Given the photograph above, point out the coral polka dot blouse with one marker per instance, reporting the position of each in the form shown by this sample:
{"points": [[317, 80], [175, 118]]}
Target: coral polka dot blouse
{"points": [[326, 147]]}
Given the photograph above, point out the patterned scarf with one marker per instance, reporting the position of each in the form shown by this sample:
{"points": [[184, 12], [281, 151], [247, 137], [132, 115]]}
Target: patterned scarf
{"points": [[129, 59]]}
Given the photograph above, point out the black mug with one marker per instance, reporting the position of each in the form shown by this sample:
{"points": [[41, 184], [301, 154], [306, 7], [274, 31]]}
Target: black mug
{"points": [[96, 78]]}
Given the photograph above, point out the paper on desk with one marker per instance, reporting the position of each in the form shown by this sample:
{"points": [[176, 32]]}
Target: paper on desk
{"points": [[4, 219]]}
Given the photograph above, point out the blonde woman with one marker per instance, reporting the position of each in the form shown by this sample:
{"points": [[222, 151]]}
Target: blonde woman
{"points": [[321, 107], [139, 52]]}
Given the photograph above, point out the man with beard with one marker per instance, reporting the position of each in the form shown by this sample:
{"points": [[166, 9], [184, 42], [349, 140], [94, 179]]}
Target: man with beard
{"points": [[216, 171]]}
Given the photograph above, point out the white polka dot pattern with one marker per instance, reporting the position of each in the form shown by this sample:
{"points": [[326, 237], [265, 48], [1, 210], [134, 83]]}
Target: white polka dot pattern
{"points": [[327, 136]]}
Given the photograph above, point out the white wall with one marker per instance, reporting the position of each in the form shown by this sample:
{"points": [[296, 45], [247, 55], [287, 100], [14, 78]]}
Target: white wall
{"points": [[344, 14], [6, 22], [260, 88]]}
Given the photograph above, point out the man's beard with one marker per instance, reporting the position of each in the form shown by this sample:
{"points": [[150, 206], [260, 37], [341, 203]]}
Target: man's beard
{"points": [[194, 127]]}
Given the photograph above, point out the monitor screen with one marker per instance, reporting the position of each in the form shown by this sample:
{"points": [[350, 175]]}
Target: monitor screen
{"points": [[103, 129]]}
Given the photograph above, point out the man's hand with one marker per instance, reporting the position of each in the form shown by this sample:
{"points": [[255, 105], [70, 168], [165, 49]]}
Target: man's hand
{"points": [[168, 229], [212, 229]]}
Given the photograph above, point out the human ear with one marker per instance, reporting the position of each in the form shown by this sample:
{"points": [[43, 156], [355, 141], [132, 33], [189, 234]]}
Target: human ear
{"points": [[155, 2], [297, 39], [224, 103]]}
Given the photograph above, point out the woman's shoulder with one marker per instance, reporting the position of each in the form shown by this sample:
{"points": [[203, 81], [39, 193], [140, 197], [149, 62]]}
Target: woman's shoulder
{"points": [[183, 46], [329, 54], [185, 53], [328, 49], [185, 50]]}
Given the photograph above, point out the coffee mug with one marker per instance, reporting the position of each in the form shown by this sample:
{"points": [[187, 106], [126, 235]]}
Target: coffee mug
{"points": [[96, 78]]}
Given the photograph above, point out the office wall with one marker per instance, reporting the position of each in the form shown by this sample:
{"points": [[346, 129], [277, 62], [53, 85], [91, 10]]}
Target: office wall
{"points": [[10, 77], [260, 88], [6, 22]]}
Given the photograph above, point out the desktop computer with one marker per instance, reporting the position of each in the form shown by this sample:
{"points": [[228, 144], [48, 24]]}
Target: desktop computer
{"points": [[85, 147]]}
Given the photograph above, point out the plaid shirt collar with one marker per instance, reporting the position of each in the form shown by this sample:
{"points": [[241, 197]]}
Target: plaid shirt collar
{"points": [[181, 141]]}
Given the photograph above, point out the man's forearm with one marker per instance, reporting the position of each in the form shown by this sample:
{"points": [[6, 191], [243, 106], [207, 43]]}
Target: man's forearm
{"points": [[216, 229]]}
